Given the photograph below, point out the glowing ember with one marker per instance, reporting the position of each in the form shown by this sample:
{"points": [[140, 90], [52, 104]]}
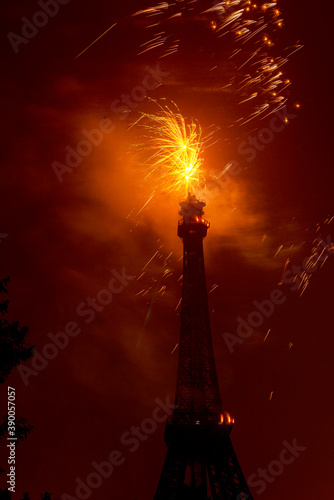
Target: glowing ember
{"points": [[249, 34], [244, 45]]}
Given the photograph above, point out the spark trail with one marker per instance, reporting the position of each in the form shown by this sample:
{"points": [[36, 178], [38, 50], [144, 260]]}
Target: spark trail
{"points": [[244, 46], [241, 40]]}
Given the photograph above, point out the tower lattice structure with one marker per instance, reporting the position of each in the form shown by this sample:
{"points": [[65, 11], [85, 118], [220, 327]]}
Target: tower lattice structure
{"points": [[200, 463]]}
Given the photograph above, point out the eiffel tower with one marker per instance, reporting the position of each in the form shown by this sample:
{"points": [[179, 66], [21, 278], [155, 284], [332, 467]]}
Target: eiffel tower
{"points": [[200, 463]]}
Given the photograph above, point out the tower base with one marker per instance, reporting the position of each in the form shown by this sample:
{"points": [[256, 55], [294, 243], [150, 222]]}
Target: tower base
{"points": [[201, 465]]}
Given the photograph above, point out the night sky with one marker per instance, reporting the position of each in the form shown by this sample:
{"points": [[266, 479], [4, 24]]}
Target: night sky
{"points": [[64, 237]]}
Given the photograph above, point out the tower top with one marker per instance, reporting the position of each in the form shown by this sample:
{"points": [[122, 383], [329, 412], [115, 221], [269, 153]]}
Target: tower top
{"points": [[192, 221], [191, 208]]}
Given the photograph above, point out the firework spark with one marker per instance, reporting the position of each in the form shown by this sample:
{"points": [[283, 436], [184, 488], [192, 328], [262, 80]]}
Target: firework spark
{"points": [[241, 37], [96, 40], [174, 147], [246, 35], [322, 247]]}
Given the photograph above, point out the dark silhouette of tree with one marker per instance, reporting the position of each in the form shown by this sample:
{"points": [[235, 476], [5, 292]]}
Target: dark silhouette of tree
{"points": [[6, 495], [13, 345], [22, 428], [13, 349]]}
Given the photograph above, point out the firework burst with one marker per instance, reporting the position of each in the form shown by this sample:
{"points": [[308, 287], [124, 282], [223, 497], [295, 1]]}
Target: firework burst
{"points": [[173, 147]]}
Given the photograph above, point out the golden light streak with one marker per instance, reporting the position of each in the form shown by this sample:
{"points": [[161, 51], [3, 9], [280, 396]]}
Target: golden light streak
{"points": [[174, 349], [173, 146], [178, 305], [96, 40], [278, 250], [147, 263], [145, 204], [323, 262], [267, 335]]}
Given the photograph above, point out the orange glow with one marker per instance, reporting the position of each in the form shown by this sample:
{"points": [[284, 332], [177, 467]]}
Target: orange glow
{"points": [[226, 417], [174, 148]]}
